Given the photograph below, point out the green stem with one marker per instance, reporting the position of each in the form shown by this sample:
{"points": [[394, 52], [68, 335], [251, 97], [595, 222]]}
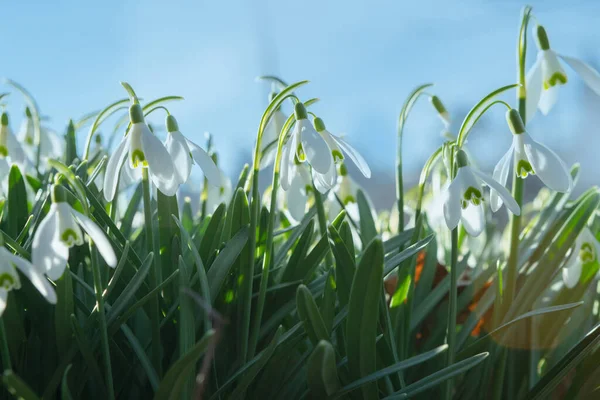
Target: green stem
{"points": [[451, 332], [322, 222], [99, 289], [154, 307], [6, 364]]}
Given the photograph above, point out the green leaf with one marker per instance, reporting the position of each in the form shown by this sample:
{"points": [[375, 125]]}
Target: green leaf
{"points": [[368, 230], [132, 208], [212, 237], [17, 387], [439, 377], [167, 231], [62, 312], [64, 387], [16, 206], [86, 349], [344, 265], [309, 314], [328, 301], [321, 369], [221, 266], [363, 311], [399, 366], [289, 272]]}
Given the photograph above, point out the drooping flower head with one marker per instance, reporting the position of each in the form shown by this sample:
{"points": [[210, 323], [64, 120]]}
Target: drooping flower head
{"points": [[50, 144], [143, 150], [464, 198], [185, 153], [584, 254], [547, 74], [9, 278], [60, 230], [529, 158]]}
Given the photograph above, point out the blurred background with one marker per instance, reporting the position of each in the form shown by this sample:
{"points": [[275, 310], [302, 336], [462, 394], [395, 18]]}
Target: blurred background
{"points": [[362, 58]]}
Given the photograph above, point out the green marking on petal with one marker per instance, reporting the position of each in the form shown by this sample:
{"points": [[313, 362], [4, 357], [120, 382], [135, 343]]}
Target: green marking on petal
{"points": [[7, 281], [337, 156], [587, 253], [300, 153], [3, 151], [138, 157], [348, 199], [472, 193], [69, 237], [29, 140], [524, 169], [464, 204], [558, 78]]}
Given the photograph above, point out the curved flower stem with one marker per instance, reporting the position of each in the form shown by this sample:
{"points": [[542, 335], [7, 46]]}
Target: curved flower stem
{"points": [[6, 364], [322, 223], [245, 355], [155, 312], [98, 289], [451, 332]]}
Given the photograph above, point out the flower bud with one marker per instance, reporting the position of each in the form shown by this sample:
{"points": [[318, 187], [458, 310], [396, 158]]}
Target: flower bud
{"points": [[319, 124], [515, 122], [300, 111], [439, 107], [136, 114], [172, 125], [542, 38]]}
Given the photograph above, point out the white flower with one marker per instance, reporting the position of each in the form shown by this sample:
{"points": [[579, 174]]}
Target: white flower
{"points": [[464, 200], [305, 144], [185, 153], [9, 145], [144, 150], [268, 145], [339, 147], [218, 194], [530, 158], [546, 75], [585, 251], [297, 193], [59, 231], [51, 145], [9, 278]]}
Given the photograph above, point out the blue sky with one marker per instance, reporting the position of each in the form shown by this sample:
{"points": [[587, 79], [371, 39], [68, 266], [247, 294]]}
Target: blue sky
{"points": [[362, 59]]}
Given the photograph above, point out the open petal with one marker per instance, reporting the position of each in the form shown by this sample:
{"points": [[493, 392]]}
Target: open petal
{"points": [[180, 154], [533, 85], [111, 175], [324, 182], [38, 279], [49, 254], [452, 206], [547, 165], [296, 199], [355, 156], [3, 298], [316, 150], [288, 162], [501, 176], [160, 165], [589, 75], [98, 237], [500, 191], [571, 272], [473, 219], [548, 99], [206, 163]]}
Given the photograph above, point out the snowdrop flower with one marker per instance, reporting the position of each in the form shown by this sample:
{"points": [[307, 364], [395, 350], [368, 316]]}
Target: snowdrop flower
{"points": [[305, 144], [530, 158], [463, 201], [185, 153], [547, 74], [51, 145], [268, 145], [298, 191], [143, 150], [9, 145], [585, 251], [59, 231], [9, 278], [346, 190], [218, 194]]}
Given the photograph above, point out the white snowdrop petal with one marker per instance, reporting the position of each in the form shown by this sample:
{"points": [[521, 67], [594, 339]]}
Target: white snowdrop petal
{"points": [[547, 165], [3, 298], [296, 199], [548, 99], [533, 86], [324, 182], [315, 148], [180, 154], [571, 272], [111, 175], [285, 167], [452, 206], [589, 75], [501, 191], [501, 176], [355, 156], [38, 279], [67, 226], [48, 253], [98, 237], [473, 219], [206, 163], [160, 165]]}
